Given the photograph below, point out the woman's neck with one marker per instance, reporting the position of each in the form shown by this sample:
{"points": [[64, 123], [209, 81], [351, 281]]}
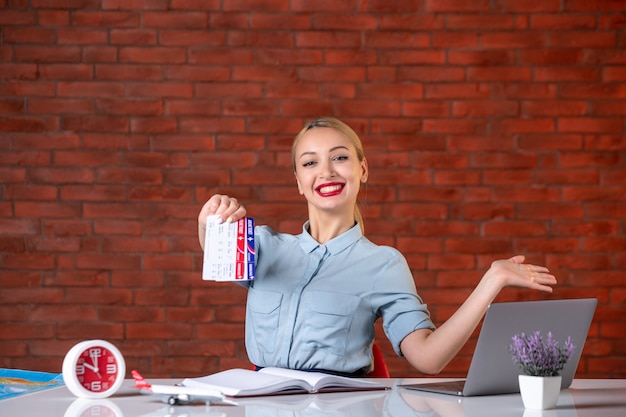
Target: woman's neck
{"points": [[324, 227]]}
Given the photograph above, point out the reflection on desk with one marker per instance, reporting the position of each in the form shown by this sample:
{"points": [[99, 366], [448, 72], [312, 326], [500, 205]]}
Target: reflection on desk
{"points": [[358, 404], [412, 403], [586, 398]]}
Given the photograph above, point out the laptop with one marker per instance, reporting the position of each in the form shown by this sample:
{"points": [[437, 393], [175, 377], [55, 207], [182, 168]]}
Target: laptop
{"points": [[492, 370]]}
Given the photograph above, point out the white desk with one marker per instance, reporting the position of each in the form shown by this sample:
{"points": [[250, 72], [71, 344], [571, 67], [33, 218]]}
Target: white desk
{"points": [[590, 397]]}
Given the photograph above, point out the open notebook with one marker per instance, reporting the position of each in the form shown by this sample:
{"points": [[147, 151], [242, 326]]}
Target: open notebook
{"points": [[492, 371]]}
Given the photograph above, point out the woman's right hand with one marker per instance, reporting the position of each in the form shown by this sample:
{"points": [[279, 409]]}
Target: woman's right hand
{"points": [[228, 208]]}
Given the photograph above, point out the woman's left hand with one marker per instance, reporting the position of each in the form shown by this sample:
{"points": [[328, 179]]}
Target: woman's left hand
{"points": [[513, 272]]}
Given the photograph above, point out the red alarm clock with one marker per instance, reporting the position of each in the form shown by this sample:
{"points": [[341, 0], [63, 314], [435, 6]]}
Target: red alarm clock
{"points": [[94, 369]]}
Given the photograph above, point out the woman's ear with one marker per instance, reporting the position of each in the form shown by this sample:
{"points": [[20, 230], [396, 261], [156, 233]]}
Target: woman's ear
{"points": [[364, 171]]}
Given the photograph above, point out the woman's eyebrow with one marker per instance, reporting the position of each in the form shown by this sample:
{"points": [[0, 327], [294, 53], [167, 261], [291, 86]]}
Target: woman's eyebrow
{"points": [[307, 154], [334, 148]]}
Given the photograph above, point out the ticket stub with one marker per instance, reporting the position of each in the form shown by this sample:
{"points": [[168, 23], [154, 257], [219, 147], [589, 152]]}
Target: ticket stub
{"points": [[229, 250]]}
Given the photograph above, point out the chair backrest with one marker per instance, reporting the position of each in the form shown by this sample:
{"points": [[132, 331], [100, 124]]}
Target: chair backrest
{"points": [[380, 367]]}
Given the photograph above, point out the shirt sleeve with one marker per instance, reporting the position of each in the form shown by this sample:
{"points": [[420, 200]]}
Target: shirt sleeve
{"points": [[401, 309]]}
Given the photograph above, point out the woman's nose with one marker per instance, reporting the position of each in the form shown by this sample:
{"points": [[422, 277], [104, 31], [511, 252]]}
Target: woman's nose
{"points": [[327, 169]]}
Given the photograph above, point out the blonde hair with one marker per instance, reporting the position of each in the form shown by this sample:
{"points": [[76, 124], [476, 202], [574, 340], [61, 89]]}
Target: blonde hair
{"points": [[341, 127]]}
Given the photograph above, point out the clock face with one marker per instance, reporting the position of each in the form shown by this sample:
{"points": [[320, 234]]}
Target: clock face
{"points": [[97, 368], [93, 369]]}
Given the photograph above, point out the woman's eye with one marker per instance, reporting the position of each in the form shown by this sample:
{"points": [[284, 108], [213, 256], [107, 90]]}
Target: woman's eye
{"points": [[341, 158], [308, 164]]}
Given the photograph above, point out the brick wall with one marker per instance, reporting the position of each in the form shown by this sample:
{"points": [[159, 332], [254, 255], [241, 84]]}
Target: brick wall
{"points": [[491, 127]]}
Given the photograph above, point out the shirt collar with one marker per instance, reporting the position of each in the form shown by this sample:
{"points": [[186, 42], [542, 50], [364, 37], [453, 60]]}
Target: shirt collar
{"points": [[335, 245]]}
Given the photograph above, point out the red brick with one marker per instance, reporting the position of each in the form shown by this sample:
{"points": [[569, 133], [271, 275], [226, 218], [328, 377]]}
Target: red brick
{"points": [[81, 37], [147, 331], [607, 142], [29, 36], [457, 6], [456, 90], [485, 21], [53, 17], [312, 39], [455, 40], [133, 36], [500, 73], [556, 74], [526, 195], [574, 176], [117, 227], [345, 22], [261, 5], [595, 90], [454, 126], [527, 6], [229, 56], [484, 108], [60, 106], [16, 17], [99, 54], [251, 39], [262, 20], [481, 57], [536, 125], [186, 20], [410, 21], [609, 108], [514, 40], [590, 125], [54, 54], [550, 56], [152, 55], [160, 194], [128, 72], [584, 39], [588, 160], [28, 124], [562, 22], [161, 297]]}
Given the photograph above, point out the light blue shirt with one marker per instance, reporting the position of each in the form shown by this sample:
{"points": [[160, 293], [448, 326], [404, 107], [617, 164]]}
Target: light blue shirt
{"points": [[313, 306]]}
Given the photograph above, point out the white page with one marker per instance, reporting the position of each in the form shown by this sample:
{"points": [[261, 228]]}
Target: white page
{"points": [[236, 381]]}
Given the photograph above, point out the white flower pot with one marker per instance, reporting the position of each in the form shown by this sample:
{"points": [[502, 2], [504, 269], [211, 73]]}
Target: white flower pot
{"points": [[539, 392]]}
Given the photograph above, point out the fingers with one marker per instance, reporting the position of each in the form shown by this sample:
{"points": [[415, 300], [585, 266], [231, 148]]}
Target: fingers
{"points": [[537, 277], [228, 208]]}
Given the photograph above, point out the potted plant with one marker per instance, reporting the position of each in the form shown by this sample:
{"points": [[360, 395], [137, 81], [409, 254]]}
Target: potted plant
{"points": [[541, 361]]}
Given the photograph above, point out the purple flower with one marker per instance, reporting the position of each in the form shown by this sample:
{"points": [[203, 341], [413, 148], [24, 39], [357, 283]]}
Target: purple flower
{"points": [[539, 357]]}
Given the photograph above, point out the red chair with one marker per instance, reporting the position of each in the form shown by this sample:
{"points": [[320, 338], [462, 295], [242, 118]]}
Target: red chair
{"points": [[380, 367]]}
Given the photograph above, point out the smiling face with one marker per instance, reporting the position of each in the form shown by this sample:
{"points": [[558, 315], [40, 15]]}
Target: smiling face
{"points": [[329, 170]]}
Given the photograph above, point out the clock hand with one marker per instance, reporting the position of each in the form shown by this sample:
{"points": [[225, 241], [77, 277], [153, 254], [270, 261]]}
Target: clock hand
{"points": [[94, 359], [93, 368]]}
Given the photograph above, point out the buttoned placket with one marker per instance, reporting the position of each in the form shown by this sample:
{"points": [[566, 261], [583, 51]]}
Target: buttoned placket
{"points": [[316, 259]]}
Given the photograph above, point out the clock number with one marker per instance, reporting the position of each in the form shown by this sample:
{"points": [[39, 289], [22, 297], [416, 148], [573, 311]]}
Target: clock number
{"points": [[96, 411], [95, 352], [111, 368], [80, 369], [96, 386]]}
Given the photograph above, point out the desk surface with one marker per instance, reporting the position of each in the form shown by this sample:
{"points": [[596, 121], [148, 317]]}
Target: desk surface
{"points": [[586, 397]]}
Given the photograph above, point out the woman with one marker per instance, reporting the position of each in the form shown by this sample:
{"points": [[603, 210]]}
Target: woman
{"points": [[317, 294]]}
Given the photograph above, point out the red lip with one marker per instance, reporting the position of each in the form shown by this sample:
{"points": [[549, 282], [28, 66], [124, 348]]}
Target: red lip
{"points": [[332, 189]]}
